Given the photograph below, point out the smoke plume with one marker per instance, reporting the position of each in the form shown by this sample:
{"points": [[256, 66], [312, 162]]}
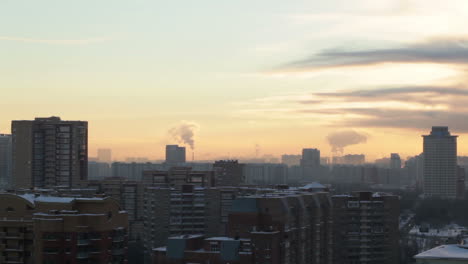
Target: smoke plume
{"points": [[185, 133], [339, 140]]}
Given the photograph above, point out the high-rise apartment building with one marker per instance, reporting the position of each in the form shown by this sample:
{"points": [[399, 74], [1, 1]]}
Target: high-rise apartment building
{"points": [[5, 159], [365, 228], [190, 210], [47, 229], [395, 161], [49, 152], [175, 154], [440, 164], [187, 211], [285, 227], [104, 155], [310, 158]]}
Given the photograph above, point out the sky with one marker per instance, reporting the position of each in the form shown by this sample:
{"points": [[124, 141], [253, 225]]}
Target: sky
{"points": [[272, 75]]}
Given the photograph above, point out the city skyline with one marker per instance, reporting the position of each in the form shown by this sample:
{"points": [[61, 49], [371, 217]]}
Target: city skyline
{"points": [[279, 75]]}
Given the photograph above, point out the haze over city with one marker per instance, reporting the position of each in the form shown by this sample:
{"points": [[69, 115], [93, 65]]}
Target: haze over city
{"points": [[244, 75]]}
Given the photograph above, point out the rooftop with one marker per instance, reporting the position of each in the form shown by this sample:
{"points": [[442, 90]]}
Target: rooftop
{"points": [[453, 252]]}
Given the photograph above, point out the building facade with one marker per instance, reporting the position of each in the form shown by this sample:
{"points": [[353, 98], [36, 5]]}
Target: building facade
{"points": [[186, 211], [129, 194], [285, 227], [178, 176], [310, 158], [229, 173], [175, 154], [440, 164], [47, 229], [49, 152], [5, 159], [198, 249], [365, 228]]}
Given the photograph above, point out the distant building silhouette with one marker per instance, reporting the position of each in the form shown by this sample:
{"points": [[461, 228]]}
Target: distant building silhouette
{"points": [[49, 152], [175, 154], [310, 158], [395, 161], [440, 164]]}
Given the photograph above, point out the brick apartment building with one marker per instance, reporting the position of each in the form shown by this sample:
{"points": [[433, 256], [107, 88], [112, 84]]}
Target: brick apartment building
{"points": [[46, 229]]}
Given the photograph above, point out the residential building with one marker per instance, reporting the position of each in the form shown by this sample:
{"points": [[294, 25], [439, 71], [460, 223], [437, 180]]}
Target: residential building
{"points": [[98, 170], [47, 229], [49, 152], [440, 164], [285, 227], [178, 176], [291, 160], [198, 249], [365, 228], [229, 172], [189, 210], [129, 194], [265, 174], [5, 159], [310, 157], [395, 161], [134, 171], [350, 159], [175, 154]]}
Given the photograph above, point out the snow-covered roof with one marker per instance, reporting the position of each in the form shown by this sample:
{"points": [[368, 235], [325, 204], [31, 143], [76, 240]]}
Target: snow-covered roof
{"points": [[53, 199], [28, 196], [186, 236], [453, 252], [225, 239], [313, 185]]}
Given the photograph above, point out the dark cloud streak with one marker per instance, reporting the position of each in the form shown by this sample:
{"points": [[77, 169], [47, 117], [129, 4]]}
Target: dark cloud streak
{"points": [[440, 50]]}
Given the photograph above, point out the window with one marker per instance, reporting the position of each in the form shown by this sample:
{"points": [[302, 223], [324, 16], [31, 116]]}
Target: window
{"points": [[353, 204]]}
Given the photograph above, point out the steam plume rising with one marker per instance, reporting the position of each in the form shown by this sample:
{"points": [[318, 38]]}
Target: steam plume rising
{"points": [[339, 140], [185, 132]]}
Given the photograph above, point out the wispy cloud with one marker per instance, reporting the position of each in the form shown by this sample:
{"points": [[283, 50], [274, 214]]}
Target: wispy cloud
{"points": [[439, 50], [410, 107], [56, 41]]}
